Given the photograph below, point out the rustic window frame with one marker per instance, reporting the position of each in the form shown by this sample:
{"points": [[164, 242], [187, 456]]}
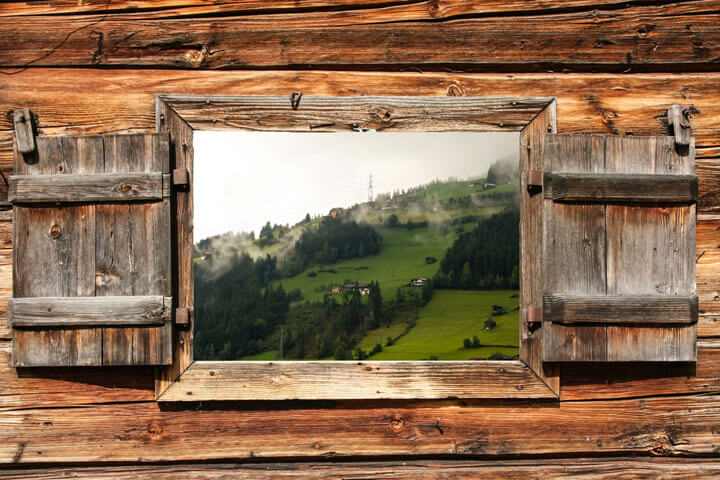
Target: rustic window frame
{"points": [[189, 380]]}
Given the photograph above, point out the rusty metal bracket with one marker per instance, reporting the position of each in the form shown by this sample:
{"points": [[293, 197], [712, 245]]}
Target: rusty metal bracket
{"points": [[24, 130], [534, 316], [534, 181], [180, 177], [183, 316], [295, 98]]}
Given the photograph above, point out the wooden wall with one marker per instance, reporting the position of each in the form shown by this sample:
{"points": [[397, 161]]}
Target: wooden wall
{"points": [[614, 66]]}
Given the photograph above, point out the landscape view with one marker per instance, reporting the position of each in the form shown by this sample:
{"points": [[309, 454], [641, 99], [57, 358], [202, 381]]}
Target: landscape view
{"points": [[331, 256]]}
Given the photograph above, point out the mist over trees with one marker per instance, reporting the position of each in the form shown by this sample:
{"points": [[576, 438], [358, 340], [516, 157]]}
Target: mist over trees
{"points": [[503, 171]]}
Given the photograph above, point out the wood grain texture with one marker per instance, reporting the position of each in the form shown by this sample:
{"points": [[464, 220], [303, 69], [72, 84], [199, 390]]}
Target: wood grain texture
{"points": [[625, 189], [357, 113], [422, 9], [621, 309], [531, 244], [182, 154], [664, 37], [91, 250], [645, 251], [133, 251], [65, 387], [79, 188], [224, 381], [650, 251], [669, 426], [595, 381], [89, 311], [614, 468], [568, 230]]}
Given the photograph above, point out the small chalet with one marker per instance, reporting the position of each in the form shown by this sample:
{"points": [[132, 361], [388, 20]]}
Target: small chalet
{"points": [[363, 288], [336, 290], [488, 186], [335, 212], [418, 282]]}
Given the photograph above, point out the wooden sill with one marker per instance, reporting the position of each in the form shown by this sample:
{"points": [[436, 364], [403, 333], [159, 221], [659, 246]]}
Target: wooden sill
{"points": [[355, 380]]}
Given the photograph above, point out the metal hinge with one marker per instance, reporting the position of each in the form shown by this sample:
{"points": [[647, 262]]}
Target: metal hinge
{"points": [[534, 316], [534, 181], [180, 177], [183, 316]]}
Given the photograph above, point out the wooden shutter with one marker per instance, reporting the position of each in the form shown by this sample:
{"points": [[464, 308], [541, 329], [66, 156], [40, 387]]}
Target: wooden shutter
{"points": [[618, 249], [91, 264]]}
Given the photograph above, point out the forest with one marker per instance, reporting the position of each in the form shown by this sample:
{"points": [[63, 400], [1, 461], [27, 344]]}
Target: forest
{"points": [[352, 283]]}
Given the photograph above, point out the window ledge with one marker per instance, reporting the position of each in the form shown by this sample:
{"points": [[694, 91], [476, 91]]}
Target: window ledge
{"points": [[354, 380]]}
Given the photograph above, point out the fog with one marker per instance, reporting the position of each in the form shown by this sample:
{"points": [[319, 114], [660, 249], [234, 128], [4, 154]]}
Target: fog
{"points": [[243, 179]]}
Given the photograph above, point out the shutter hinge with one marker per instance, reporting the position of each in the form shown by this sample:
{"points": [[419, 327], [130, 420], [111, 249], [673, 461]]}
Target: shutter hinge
{"points": [[534, 181], [183, 316], [678, 118], [180, 177], [24, 130], [534, 317]]}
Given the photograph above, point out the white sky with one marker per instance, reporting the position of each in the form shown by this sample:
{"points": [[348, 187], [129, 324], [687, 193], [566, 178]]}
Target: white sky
{"points": [[243, 179]]}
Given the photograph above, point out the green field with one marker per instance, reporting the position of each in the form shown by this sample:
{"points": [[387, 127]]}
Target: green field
{"points": [[451, 316], [401, 259]]}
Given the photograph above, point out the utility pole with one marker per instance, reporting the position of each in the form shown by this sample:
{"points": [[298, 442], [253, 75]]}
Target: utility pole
{"points": [[370, 189], [281, 341]]}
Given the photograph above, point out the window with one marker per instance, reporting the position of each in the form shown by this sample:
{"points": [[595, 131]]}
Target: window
{"points": [[103, 251], [356, 246], [201, 380]]}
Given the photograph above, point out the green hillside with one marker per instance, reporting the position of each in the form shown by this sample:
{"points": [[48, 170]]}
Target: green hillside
{"points": [[401, 259], [447, 319]]}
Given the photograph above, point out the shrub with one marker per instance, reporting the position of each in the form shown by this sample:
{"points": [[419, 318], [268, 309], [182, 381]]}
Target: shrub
{"points": [[389, 342], [312, 274], [467, 343], [476, 341]]}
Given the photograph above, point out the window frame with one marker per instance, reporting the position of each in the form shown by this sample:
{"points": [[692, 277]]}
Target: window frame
{"points": [[188, 380]]}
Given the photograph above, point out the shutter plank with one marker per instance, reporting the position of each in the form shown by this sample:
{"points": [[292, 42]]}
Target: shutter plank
{"points": [[133, 251], [650, 251], [88, 311], [621, 188], [574, 242], [66, 266], [621, 309], [78, 188]]}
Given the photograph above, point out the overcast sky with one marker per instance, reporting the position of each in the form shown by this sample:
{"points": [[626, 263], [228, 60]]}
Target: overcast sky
{"points": [[243, 179]]}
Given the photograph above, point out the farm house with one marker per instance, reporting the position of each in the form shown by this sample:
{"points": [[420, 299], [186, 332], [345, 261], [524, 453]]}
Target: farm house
{"points": [[616, 107]]}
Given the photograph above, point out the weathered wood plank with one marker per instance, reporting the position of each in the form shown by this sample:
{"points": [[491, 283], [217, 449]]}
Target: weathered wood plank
{"points": [[620, 309], [650, 251], [133, 251], [643, 37], [677, 426], [65, 387], [89, 311], [223, 381], [613, 468], [182, 235], [355, 113], [617, 188], [573, 241], [531, 247], [408, 9], [79, 188], [595, 381]]}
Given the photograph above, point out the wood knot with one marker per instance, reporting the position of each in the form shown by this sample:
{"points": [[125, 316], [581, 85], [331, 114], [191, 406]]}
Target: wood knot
{"points": [[384, 114], [397, 424], [126, 188], [662, 445], [455, 90], [153, 431], [55, 231]]}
